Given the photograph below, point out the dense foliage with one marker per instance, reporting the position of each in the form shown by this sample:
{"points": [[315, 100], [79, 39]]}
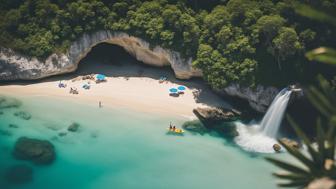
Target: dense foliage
{"points": [[245, 41]]}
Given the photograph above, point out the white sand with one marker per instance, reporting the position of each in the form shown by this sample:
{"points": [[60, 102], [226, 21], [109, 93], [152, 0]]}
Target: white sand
{"points": [[141, 93]]}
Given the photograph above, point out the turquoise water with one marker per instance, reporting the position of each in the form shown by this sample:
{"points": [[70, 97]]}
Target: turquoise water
{"points": [[119, 148]]}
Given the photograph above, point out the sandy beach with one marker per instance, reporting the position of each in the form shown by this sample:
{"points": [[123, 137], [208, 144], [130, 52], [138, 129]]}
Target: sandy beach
{"points": [[129, 85]]}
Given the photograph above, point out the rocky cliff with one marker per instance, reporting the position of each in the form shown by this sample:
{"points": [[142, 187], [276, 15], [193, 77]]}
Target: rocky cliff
{"points": [[14, 66], [259, 98]]}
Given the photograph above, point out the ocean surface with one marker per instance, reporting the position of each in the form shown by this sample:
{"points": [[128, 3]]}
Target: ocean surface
{"points": [[119, 148]]}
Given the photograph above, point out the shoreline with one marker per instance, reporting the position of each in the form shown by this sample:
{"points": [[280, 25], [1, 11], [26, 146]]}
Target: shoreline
{"points": [[135, 93]]}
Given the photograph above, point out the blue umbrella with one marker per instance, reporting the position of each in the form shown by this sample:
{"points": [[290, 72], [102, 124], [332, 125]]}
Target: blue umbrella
{"points": [[173, 90], [181, 88], [100, 77]]}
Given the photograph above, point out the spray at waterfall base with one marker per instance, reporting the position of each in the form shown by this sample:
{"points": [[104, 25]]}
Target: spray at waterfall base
{"points": [[261, 137]]}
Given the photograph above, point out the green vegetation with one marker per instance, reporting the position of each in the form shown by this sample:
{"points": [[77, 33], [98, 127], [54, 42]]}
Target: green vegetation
{"points": [[318, 166], [244, 41], [320, 161]]}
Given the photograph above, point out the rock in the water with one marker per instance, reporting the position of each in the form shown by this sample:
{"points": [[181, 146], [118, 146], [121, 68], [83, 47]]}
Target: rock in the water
{"points": [[1, 112], [61, 134], [73, 127], [37, 151], [6, 102], [195, 127], [215, 115], [5, 133], [19, 174], [94, 134], [276, 147], [13, 126], [290, 143], [23, 115]]}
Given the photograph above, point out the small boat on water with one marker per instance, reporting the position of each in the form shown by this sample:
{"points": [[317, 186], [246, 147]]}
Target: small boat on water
{"points": [[175, 131]]}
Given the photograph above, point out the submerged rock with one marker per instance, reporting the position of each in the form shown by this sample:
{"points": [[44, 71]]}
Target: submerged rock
{"points": [[290, 143], [19, 174], [13, 126], [74, 127], [276, 147], [37, 151], [23, 115], [6, 102], [195, 126], [61, 134], [1, 112], [53, 127], [94, 134], [215, 115], [5, 133]]}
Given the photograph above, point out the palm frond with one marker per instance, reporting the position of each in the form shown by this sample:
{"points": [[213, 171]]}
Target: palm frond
{"points": [[288, 167], [322, 54]]}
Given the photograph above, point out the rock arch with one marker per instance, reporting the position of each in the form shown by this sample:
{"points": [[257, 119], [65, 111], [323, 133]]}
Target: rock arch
{"points": [[14, 66]]}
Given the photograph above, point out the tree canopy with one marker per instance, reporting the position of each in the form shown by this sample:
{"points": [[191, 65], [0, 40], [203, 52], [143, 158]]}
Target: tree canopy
{"points": [[243, 41]]}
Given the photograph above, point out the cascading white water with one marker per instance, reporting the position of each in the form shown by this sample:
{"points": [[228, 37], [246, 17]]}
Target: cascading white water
{"points": [[261, 137], [273, 117]]}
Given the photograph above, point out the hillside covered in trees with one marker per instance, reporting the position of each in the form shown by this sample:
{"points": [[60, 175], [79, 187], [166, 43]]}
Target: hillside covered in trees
{"points": [[245, 41]]}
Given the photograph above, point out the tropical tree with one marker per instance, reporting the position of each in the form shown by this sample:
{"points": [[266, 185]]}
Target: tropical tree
{"points": [[318, 165]]}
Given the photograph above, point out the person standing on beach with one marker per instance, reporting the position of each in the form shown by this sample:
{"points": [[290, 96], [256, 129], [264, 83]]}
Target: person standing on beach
{"points": [[100, 104]]}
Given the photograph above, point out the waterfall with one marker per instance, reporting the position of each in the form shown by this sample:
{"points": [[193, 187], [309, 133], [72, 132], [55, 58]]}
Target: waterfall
{"points": [[261, 137], [271, 121]]}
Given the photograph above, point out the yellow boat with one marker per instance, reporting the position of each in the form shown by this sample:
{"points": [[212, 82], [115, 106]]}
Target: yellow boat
{"points": [[175, 131]]}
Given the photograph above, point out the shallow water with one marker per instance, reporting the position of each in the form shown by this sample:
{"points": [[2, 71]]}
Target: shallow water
{"points": [[118, 148]]}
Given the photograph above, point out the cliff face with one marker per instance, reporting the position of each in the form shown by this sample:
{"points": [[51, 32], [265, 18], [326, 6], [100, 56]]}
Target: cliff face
{"points": [[259, 98], [14, 66]]}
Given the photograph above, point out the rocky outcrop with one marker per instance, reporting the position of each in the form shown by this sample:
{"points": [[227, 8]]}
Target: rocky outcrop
{"points": [[210, 116], [73, 127], [276, 147], [14, 66], [290, 143], [195, 126], [259, 98], [37, 151]]}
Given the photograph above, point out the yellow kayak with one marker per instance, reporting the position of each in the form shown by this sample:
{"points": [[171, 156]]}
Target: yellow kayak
{"points": [[177, 131]]}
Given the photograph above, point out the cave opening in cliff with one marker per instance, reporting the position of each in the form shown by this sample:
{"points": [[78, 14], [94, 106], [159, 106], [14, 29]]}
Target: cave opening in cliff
{"points": [[114, 61]]}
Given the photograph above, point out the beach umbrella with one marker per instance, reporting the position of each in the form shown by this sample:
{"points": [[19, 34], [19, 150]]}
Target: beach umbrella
{"points": [[181, 88], [100, 77], [173, 90]]}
